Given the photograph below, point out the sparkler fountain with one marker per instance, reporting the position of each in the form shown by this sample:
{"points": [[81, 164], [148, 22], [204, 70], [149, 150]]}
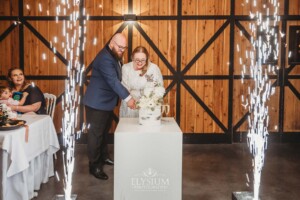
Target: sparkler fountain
{"points": [[264, 47], [73, 44], [73, 33]]}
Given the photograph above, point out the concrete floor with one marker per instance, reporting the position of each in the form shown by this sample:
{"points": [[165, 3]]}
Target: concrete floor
{"points": [[210, 172]]}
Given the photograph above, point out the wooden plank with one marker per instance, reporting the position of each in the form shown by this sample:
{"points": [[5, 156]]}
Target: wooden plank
{"points": [[217, 84], [191, 49], [184, 61], [226, 7], [107, 11], [289, 110], [238, 110], [172, 59], [171, 56], [163, 30], [56, 67], [4, 8], [9, 49], [29, 38], [273, 106], [14, 49], [200, 41], [29, 46], [208, 70], [43, 68], [225, 71], [296, 112], [117, 7], [294, 10], [136, 37], [94, 41], [153, 25], [145, 24]]}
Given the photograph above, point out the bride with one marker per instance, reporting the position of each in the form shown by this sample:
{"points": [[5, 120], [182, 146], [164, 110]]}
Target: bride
{"points": [[135, 75]]}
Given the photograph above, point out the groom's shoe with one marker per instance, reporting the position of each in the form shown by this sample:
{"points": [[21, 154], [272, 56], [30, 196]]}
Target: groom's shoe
{"points": [[98, 173], [108, 162]]}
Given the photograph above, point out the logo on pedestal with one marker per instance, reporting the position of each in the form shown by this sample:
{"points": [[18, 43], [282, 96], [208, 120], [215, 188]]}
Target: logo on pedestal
{"points": [[150, 180]]}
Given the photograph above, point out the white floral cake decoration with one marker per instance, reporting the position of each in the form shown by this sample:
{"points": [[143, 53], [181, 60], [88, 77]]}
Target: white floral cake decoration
{"points": [[152, 95]]}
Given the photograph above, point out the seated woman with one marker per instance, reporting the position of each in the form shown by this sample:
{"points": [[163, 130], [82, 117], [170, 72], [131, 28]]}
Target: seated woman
{"points": [[135, 76], [35, 101]]}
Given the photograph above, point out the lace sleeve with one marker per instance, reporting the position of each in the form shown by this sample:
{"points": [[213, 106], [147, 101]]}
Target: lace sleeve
{"points": [[157, 76], [125, 76]]}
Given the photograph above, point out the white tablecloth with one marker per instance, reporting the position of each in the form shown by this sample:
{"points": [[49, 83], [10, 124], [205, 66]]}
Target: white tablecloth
{"points": [[25, 165]]}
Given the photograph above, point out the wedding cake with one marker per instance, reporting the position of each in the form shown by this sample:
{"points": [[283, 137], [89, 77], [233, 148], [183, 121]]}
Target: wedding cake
{"points": [[150, 116], [150, 103]]}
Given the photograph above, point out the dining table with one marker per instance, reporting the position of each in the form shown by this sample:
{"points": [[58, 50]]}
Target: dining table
{"points": [[27, 158]]}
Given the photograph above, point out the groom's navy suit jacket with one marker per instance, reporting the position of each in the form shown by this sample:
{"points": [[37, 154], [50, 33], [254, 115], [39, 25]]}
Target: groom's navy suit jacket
{"points": [[105, 86]]}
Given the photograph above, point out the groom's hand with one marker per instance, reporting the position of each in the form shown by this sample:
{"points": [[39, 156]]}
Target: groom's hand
{"points": [[131, 103]]}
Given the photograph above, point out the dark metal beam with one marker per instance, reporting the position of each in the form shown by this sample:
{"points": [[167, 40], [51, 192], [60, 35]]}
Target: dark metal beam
{"points": [[7, 31], [231, 70], [151, 17], [178, 61]]}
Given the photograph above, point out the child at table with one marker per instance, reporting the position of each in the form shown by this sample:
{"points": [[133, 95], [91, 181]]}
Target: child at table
{"points": [[6, 97]]}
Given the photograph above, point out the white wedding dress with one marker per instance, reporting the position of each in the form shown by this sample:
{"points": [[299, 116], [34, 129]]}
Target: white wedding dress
{"points": [[135, 84]]}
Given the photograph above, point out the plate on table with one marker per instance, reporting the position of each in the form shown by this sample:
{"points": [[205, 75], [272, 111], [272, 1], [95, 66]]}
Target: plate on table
{"points": [[12, 124]]}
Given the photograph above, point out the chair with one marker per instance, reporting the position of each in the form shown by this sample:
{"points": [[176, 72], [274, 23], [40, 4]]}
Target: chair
{"points": [[50, 103]]}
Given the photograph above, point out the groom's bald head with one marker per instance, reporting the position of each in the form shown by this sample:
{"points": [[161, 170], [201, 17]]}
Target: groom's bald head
{"points": [[118, 44]]}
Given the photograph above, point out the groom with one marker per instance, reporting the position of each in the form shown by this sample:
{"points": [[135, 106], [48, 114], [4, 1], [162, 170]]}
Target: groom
{"points": [[100, 99]]}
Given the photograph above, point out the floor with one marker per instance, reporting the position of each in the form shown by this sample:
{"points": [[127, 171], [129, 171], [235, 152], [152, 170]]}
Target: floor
{"points": [[210, 172]]}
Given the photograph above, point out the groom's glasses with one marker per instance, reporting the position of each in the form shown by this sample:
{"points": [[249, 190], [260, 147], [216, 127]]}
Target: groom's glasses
{"points": [[137, 61], [122, 48]]}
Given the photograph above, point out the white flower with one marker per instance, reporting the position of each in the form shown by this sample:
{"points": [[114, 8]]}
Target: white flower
{"points": [[151, 84], [6, 111], [159, 91], [148, 91], [152, 96], [4, 107]]}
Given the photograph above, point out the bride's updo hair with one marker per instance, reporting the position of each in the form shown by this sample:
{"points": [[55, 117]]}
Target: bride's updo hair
{"points": [[141, 49]]}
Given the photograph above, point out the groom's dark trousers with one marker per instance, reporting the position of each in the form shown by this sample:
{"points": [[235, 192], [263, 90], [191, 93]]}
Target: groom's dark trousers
{"points": [[99, 122]]}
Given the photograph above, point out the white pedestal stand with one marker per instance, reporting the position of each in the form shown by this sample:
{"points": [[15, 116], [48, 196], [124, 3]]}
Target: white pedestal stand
{"points": [[148, 161]]}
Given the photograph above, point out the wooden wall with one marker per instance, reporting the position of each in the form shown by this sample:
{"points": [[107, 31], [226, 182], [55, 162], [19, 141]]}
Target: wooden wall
{"points": [[192, 41]]}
